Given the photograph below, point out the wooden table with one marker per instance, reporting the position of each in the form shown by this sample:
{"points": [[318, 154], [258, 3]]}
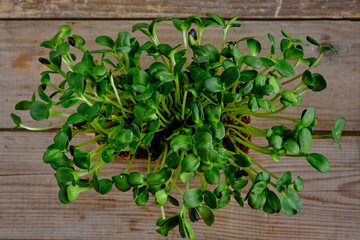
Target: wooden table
{"points": [[29, 208]]}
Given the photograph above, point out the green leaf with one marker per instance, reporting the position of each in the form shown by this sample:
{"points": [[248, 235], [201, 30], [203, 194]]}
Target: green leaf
{"points": [[63, 196], [207, 215], [272, 41], [16, 119], [203, 140], [291, 203], [272, 204], [230, 75], [253, 104], [122, 182], [308, 118], [173, 201], [292, 146], [298, 184], [185, 177], [284, 180], [161, 197], [247, 76], [108, 154], [76, 81], [266, 104], [105, 186], [52, 154], [319, 83], [64, 31], [144, 112], [173, 160], [213, 84], [123, 42], [293, 54], [65, 175], [337, 130], [254, 47], [213, 113], [246, 88], [253, 61], [125, 137], [23, 105], [242, 160], [105, 41], [82, 159], [190, 163], [72, 192], [99, 71], [75, 118], [136, 178], [313, 41], [180, 63], [305, 139], [61, 140], [275, 141], [210, 199], [181, 142], [61, 50], [319, 162], [218, 130], [212, 175], [142, 198], [258, 187], [257, 201], [217, 18], [283, 68], [192, 198], [39, 111], [263, 176]]}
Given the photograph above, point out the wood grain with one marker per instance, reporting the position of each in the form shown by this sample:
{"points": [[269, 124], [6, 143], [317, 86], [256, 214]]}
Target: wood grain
{"points": [[29, 208], [151, 9], [19, 68]]}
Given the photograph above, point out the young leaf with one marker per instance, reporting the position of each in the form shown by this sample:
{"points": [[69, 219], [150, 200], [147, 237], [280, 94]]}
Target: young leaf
{"points": [[39, 111], [192, 198], [298, 184], [254, 47], [291, 203], [207, 215], [305, 139], [272, 204], [337, 130], [319, 162], [105, 41]]}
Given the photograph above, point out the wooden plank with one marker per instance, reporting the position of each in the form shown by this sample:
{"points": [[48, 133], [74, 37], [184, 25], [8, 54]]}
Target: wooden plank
{"points": [[151, 9], [19, 68], [29, 208]]}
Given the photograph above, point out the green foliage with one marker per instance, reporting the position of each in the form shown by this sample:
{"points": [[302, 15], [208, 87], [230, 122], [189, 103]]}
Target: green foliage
{"points": [[188, 111]]}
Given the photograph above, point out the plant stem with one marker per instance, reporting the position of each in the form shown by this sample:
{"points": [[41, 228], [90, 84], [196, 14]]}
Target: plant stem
{"points": [[175, 178], [42, 128], [97, 137], [183, 106], [149, 160], [117, 95], [130, 163], [162, 212]]}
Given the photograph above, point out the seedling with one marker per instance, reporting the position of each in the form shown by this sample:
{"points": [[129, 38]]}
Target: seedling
{"points": [[189, 111]]}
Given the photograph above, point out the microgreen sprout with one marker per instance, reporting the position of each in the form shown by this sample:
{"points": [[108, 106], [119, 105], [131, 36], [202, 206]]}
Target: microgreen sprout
{"points": [[189, 111]]}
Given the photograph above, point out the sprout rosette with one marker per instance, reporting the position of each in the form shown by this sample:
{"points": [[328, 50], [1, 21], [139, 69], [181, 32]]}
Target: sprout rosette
{"points": [[187, 112]]}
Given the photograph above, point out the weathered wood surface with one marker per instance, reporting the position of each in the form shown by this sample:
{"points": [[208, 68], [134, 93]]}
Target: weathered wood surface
{"points": [[20, 70], [151, 9], [29, 208]]}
